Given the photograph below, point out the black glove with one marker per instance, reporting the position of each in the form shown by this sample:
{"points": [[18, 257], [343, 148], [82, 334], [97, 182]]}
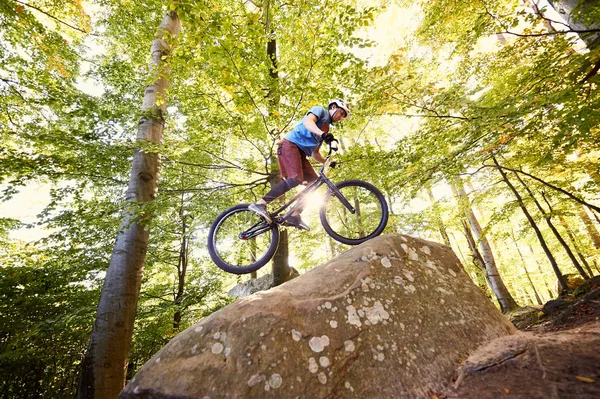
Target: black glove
{"points": [[327, 137]]}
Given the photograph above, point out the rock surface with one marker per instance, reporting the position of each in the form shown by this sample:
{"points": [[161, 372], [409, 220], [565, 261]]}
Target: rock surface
{"points": [[250, 287], [391, 318], [544, 365], [255, 285]]}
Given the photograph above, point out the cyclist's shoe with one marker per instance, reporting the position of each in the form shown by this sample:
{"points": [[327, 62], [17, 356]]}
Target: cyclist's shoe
{"points": [[297, 222], [260, 210]]}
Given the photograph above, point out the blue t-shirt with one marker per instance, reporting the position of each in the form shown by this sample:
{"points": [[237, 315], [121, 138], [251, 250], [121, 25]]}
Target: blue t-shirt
{"points": [[304, 139]]}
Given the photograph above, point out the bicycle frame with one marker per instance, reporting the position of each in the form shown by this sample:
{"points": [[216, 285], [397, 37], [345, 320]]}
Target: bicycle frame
{"points": [[321, 180], [261, 227]]}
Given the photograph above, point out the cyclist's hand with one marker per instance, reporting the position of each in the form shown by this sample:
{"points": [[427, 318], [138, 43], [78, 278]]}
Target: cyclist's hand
{"points": [[327, 137]]}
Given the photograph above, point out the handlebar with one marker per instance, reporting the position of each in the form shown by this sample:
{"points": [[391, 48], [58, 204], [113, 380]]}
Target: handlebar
{"points": [[333, 146]]}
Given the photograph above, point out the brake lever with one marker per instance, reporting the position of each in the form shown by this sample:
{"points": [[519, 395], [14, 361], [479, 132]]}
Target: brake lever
{"points": [[333, 146]]}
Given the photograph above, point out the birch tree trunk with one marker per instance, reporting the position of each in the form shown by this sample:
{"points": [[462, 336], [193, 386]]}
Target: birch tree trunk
{"points": [[477, 258], [105, 363], [505, 299], [565, 8]]}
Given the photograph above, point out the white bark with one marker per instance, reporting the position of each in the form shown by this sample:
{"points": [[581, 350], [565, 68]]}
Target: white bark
{"points": [[106, 360], [562, 15], [507, 302]]}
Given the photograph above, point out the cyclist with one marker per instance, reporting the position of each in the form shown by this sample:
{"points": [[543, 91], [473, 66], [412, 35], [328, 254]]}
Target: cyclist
{"points": [[303, 141]]}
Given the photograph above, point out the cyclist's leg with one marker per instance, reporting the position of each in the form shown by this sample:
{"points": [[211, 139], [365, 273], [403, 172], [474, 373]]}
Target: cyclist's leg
{"points": [[289, 158], [290, 166], [281, 188], [308, 176]]}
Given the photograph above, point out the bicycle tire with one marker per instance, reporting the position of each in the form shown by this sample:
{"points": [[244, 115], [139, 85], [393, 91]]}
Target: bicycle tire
{"points": [[335, 216], [230, 252]]}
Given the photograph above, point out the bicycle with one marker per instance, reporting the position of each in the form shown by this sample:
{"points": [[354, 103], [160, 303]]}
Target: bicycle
{"points": [[353, 211]]}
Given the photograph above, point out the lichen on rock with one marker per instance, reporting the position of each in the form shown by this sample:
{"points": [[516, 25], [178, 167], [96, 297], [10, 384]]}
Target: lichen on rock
{"points": [[391, 338]]}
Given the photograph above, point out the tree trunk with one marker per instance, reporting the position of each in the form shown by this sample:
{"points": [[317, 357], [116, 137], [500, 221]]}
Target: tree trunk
{"points": [[553, 229], [565, 9], [280, 267], [477, 258], [182, 263], [573, 240], [538, 233], [438, 218], [589, 227], [505, 299], [482, 275], [539, 266], [537, 296], [105, 362]]}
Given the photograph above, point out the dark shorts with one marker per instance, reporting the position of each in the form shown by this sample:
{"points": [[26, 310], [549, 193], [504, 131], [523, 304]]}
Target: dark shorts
{"points": [[293, 162]]}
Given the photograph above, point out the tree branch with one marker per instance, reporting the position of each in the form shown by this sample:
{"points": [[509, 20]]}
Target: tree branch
{"points": [[568, 194], [264, 118], [52, 16], [549, 33], [591, 73]]}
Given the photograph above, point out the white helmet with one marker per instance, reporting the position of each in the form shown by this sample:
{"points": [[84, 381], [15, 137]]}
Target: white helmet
{"points": [[341, 104]]}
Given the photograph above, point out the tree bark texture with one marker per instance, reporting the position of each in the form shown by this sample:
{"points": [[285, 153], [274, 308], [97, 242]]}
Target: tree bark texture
{"points": [[561, 280], [565, 8], [505, 299], [477, 258], [182, 263], [589, 227], [105, 364], [280, 267]]}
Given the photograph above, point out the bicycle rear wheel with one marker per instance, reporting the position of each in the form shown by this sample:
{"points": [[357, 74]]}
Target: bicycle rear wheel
{"points": [[239, 241], [368, 221]]}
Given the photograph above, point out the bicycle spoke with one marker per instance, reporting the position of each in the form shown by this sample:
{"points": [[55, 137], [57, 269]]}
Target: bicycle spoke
{"points": [[367, 221], [241, 241]]}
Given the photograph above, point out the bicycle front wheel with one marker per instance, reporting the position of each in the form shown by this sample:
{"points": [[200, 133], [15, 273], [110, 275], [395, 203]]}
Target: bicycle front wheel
{"points": [[239, 241], [370, 216]]}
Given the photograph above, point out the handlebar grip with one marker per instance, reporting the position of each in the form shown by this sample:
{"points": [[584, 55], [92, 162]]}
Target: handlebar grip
{"points": [[334, 145]]}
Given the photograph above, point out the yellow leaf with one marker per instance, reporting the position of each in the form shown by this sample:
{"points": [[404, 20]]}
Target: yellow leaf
{"points": [[584, 379], [507, 390]]}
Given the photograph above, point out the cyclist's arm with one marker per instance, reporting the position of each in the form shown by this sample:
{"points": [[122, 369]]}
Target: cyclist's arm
{"points": [[310, 123], [317, 155]]}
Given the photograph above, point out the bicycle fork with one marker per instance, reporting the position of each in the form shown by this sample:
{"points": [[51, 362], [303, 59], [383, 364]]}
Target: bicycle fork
{"points": [[334, 190]]}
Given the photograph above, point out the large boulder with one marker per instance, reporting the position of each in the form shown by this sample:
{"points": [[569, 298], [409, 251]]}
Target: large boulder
{"points": [[391, 318]]}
